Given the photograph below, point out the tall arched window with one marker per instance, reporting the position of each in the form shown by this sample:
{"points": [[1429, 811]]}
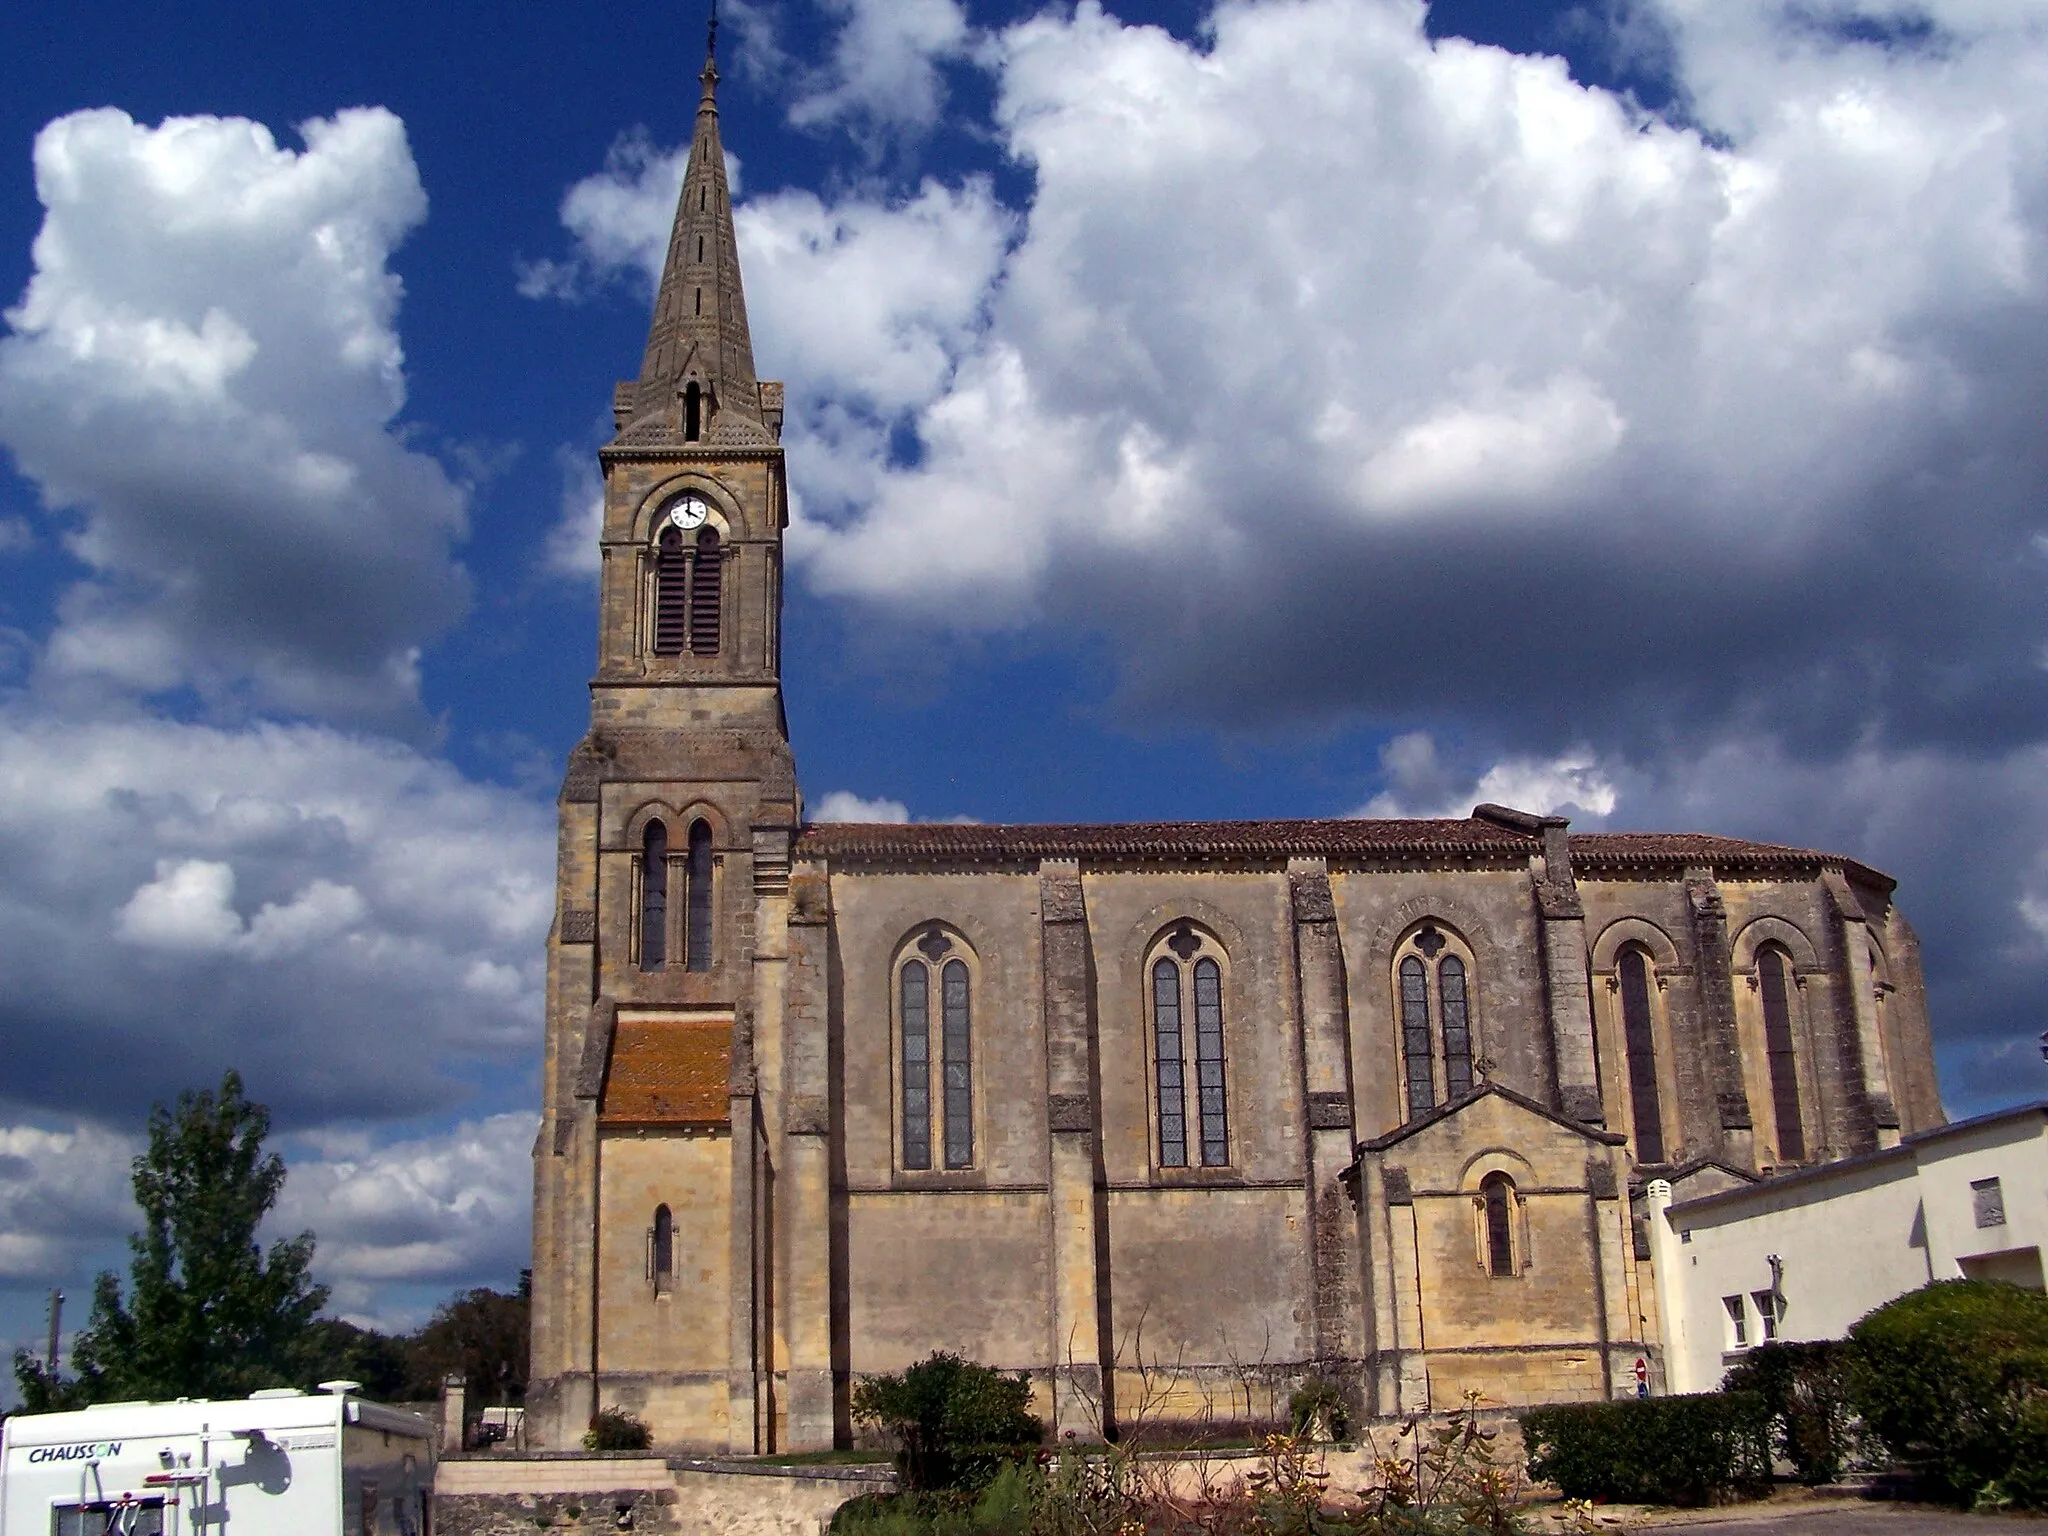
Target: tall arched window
{"points": [[1187, 987], [934, 966], [957, 1046], [914, 984], [1639, 1042], [661, 1251], [693, 400], [1433, 984], [707, 587], [697, 951], [1167, 1066], [671, 593], [1774, 980], [1497, 1197], [654, 897]]}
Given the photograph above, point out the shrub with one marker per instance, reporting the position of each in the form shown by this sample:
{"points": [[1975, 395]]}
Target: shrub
{"points": [[1805, 1387], [1662, 1450], [1317, 1411], [1952, 1378], [955, 1423], [614, 1429]]}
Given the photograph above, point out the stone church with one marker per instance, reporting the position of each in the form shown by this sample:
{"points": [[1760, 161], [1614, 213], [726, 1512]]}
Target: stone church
{"points": [[1172, 1116]]}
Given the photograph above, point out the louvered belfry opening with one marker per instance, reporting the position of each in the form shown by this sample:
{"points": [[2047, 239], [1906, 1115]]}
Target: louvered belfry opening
{"points": [[706, 591], [689, 593], [671, 594]]}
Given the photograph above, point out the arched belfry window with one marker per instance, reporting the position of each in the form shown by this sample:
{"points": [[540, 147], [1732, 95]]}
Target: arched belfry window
{"points": [[661, 1251], [689, 579], [1639, 1046], [1186, 995], [697, 941], [654, 897], [1433, 990], [1774, 981], [935, 1027], [1497, 1217]]}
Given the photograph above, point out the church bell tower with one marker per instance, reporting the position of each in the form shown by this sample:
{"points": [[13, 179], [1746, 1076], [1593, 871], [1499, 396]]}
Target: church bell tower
{"points": [[677, 815]]}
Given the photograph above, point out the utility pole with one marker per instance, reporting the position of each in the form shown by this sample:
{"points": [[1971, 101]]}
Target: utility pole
{"points": [[56, 1323]]}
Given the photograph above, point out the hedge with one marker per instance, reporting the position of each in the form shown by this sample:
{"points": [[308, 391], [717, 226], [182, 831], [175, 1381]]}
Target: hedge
{"points": [[1953, 1379], [1661, 1450], [1806, 1389]]}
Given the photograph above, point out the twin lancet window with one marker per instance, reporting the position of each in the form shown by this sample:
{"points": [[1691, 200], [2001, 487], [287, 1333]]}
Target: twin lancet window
{"points": [[935, 994], [1187, 989], [1436, 1020], [689, 587], [655, 880]]}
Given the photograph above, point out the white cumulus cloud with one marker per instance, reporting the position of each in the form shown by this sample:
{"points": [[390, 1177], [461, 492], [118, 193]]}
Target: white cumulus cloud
{"points": [[204, 378]]}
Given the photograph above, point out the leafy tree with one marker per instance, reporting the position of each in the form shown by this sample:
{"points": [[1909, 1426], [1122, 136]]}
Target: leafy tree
{"points": [[207, 1312], [337, 1350], [955, 1423], [480, 1335]]}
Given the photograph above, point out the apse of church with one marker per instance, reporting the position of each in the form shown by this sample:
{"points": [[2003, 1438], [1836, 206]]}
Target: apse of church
{"points": [[1171, 1116]]}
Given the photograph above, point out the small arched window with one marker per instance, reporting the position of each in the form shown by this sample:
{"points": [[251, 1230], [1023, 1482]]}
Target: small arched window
{"points": [[707, 588], [1639, 1044], [697, 944], [935, 967], [693, 397], [661, 1251], [1187, 988], [1774, 981], [1433, 984], [671, 593], [654, 897], [1497, 1200]]}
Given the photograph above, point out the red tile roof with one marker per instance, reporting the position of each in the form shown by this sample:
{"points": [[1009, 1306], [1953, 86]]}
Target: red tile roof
{"points": [[669, 1072], [1347, 839]]}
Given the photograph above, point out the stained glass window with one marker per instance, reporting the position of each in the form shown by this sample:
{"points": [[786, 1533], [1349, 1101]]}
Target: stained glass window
{"points": [[1450, 982], [917, 1065], [1209, 1063], [698, 955], [1497, 1190], [959, 1066], [1173, 1125], [1415, 1036]]}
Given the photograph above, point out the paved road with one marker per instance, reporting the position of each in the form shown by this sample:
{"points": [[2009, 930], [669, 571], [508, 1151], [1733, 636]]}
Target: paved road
{"points": [[1853, 1520]]}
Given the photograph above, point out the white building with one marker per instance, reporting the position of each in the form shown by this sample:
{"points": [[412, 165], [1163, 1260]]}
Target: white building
{"points": [[1805, 1255], [278, 1463]]}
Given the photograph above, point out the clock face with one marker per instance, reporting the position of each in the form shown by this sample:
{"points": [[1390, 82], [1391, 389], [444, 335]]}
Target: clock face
{"points": [[688, 512]]}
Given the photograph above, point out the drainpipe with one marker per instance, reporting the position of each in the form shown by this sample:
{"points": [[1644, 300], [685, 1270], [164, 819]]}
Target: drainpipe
{"points": [[1665, 1260]]}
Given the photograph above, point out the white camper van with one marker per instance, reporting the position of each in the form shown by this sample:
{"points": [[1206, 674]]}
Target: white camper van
{"points": [[279, 1463]]}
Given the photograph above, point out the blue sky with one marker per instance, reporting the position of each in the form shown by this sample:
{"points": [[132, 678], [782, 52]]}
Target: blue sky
{"points": [[1300, 408]]}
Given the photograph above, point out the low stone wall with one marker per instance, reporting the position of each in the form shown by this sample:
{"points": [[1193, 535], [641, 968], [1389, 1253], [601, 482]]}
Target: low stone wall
{"points": [[515, 1495]]}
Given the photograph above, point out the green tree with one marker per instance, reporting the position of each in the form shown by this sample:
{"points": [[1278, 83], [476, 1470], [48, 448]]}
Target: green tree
{"points": [[480, 1335], [207, 1312]]}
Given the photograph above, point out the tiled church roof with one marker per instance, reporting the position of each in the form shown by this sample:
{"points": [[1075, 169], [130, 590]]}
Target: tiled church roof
{"points": [[1593, 853]]}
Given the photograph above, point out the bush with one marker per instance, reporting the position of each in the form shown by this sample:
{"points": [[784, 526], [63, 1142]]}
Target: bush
{"points": [[1805, 1387], [1661, 1450], [1005, 1508], [614, 1429], [956, 1424], [1317, 1411], [1953, 1378]]}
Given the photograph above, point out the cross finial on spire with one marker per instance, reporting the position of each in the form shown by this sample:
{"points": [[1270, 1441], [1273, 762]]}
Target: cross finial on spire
{"points": [[710, 75]]}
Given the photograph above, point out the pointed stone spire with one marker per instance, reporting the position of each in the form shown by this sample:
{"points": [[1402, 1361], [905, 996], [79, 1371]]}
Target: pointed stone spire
{"points": [[697, 381]]}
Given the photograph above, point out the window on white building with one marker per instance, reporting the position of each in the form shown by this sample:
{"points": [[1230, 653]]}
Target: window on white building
{"points": [[1738, 1321], [1989, 1200], [1766, 1315]]}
